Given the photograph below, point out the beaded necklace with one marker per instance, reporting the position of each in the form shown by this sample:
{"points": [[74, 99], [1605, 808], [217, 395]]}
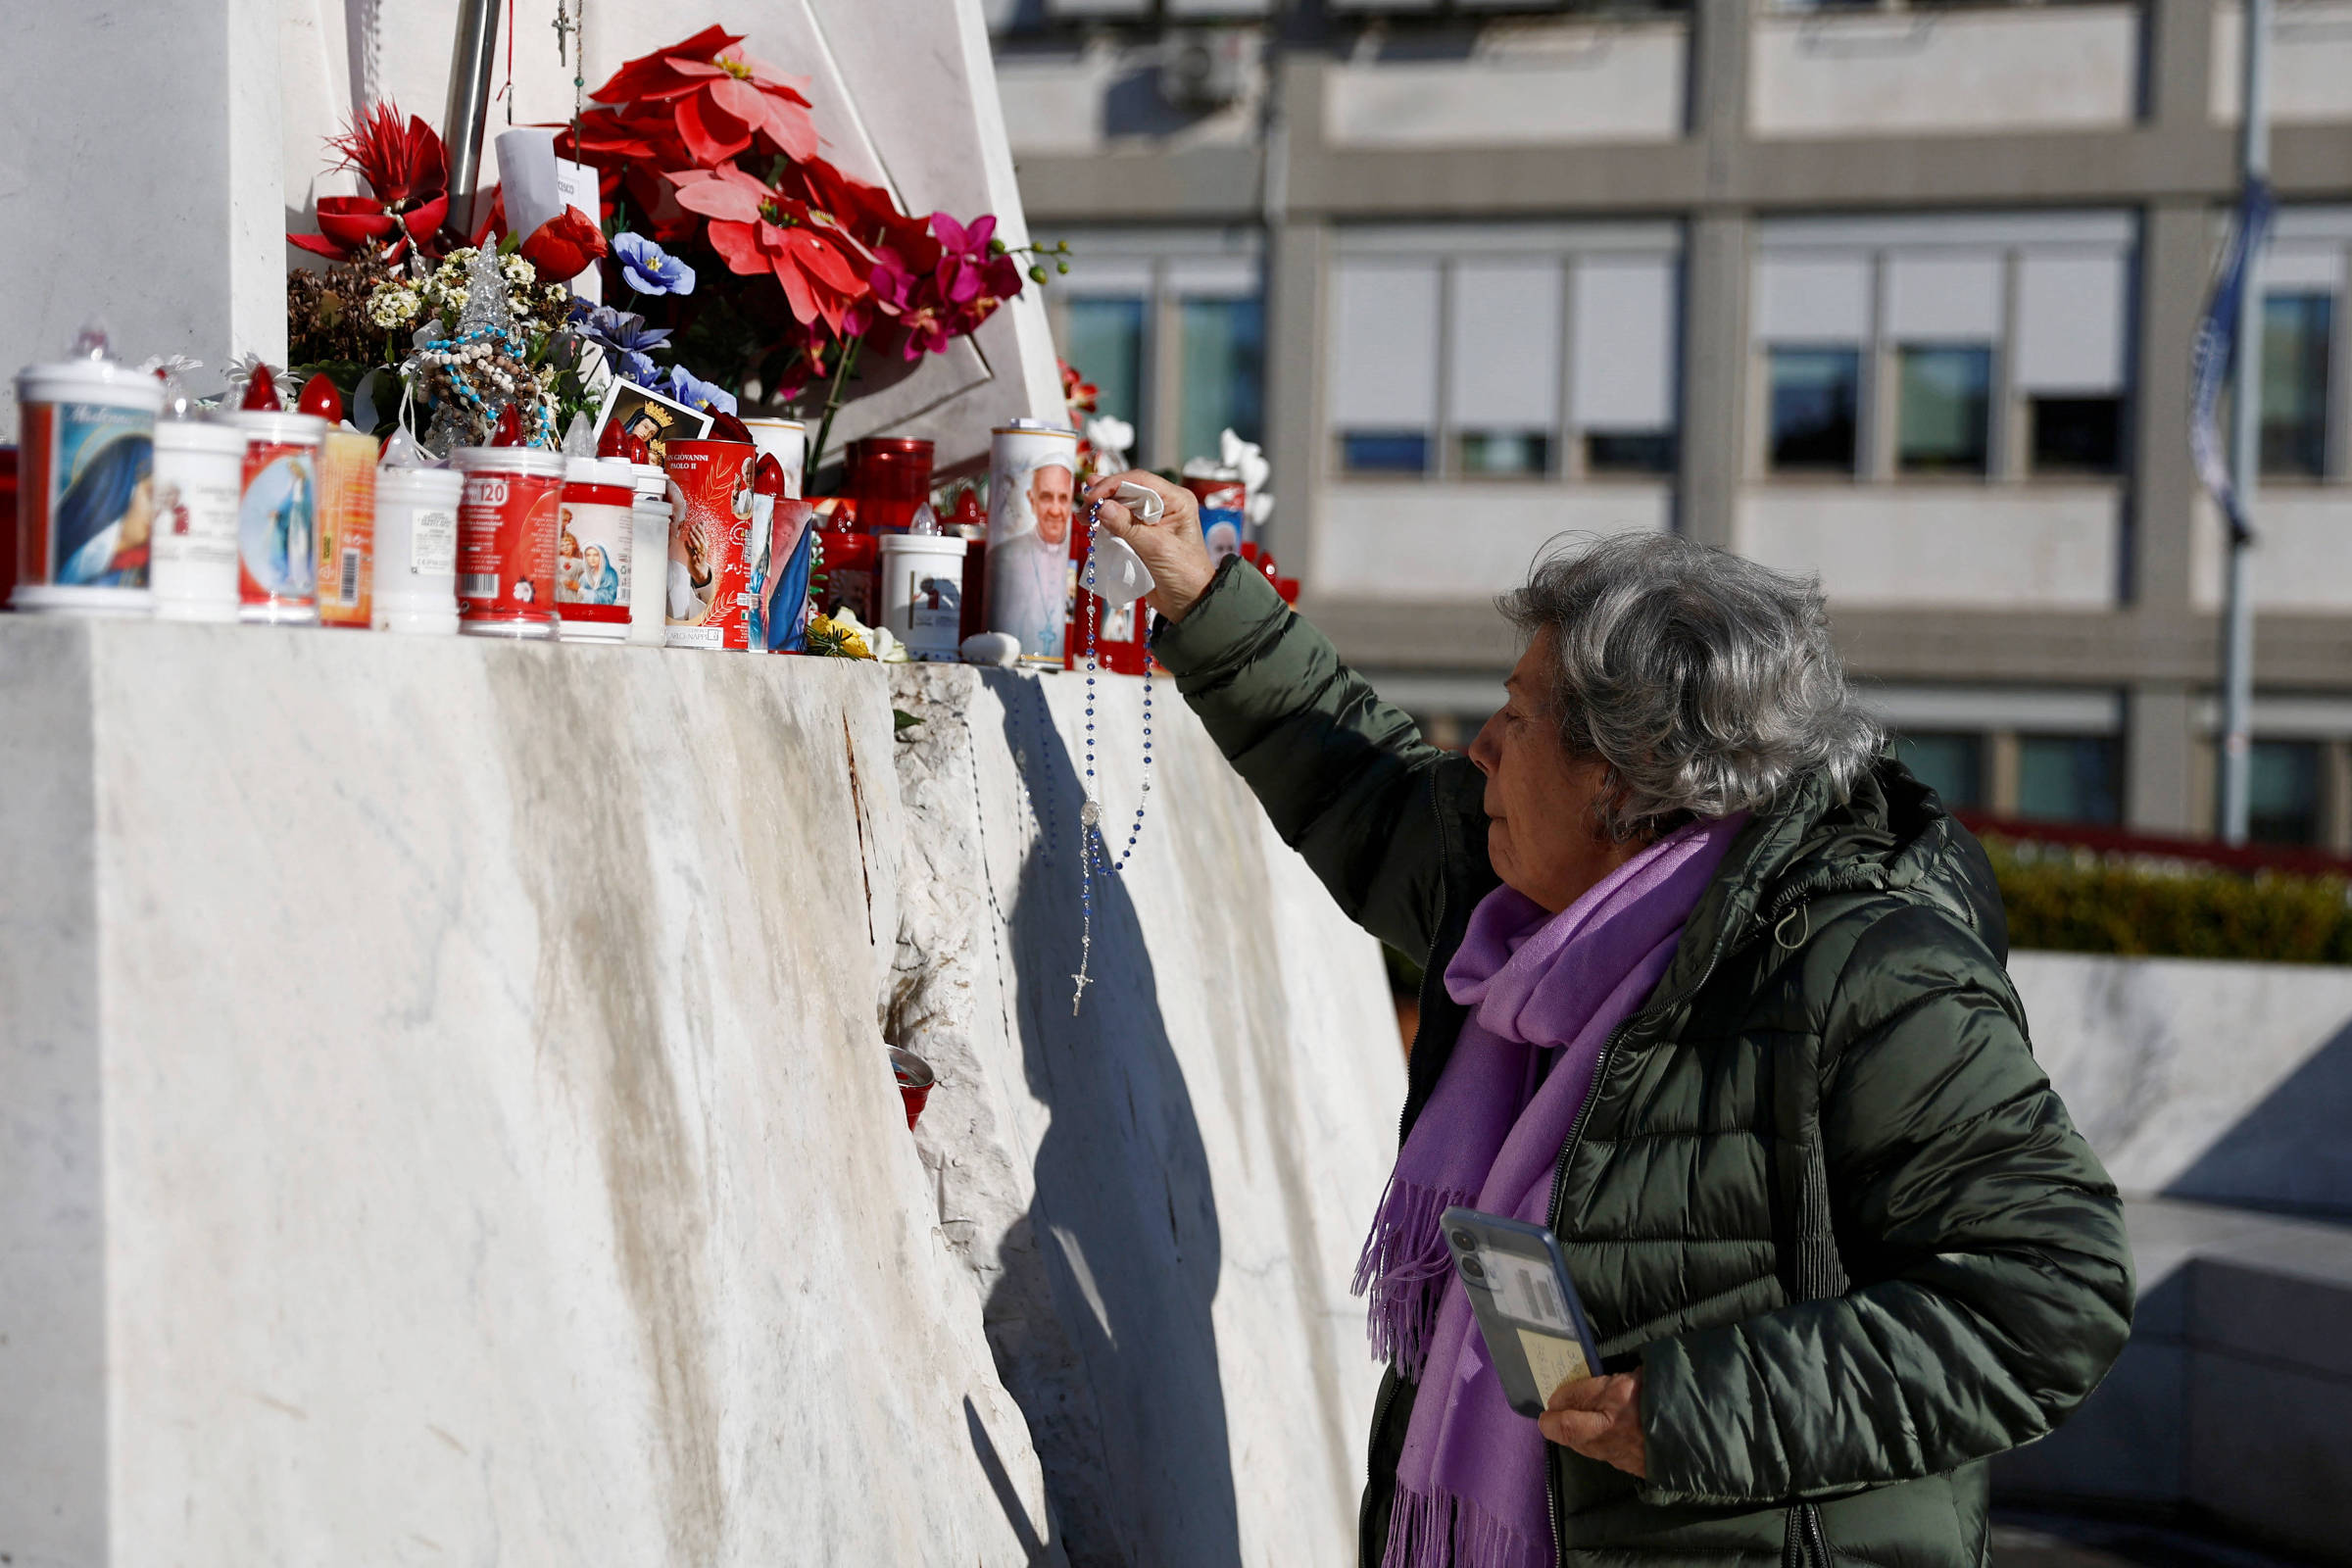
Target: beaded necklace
{"points": [[1091, 849], [494, 354]]}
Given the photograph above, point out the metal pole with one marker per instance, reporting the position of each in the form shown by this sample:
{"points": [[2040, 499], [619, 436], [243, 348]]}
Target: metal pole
{"points": [[470, 65], [2245, 455]]}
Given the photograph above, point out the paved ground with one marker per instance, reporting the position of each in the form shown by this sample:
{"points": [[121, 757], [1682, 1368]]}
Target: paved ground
{"points": [[2042, 1540]]}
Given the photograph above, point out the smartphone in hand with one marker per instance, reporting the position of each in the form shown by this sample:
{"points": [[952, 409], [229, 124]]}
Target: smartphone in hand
{"points": [[1527, 1306]]}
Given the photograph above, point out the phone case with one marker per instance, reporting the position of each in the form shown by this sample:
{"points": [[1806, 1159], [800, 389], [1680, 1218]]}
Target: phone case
{"points": [[1527, 1306]]}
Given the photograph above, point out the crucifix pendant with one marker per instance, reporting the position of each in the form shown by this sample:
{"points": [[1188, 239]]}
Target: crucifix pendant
{"points": [[1078, 996]]}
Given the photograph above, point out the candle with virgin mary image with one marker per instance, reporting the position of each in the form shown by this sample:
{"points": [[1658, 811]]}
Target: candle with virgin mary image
{"points": [[86, 487]]}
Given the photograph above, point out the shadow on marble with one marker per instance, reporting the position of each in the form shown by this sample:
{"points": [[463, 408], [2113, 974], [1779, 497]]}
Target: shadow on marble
{"points": [[2288, 1154], [1034, 1547], [1121, 1245]]}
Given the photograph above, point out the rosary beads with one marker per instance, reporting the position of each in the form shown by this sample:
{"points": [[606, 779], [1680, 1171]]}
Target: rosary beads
{"points": [[1091, 849]]}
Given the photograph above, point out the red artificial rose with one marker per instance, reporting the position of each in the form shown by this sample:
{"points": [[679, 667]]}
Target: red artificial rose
{"points": [[565, 246]]}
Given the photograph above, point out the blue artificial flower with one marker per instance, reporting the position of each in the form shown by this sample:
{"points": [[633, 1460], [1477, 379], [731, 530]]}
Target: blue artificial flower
{"points": [[624, 337], [649, 269], [697, 393]]}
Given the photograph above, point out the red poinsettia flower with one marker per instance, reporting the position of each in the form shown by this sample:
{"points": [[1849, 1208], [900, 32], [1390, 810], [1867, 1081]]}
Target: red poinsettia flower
{"points": [[565, 246], [868, 211], [634, 146], [756, 228], [407, 174], [720, 99]]}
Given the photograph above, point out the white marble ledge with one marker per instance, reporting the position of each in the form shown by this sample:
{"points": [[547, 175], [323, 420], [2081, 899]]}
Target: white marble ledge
{"points": [[448, 1118]]}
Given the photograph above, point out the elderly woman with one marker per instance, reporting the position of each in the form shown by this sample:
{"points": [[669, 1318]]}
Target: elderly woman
{"points": [[1716, 993]]}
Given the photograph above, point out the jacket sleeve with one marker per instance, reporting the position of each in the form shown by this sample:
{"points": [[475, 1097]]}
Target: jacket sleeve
{"points": [[1346, 779], [1994, 1279]]}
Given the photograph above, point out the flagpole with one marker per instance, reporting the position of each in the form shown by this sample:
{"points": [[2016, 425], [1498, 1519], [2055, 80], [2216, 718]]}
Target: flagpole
{"points": [[471, 58], [2246, 462]]}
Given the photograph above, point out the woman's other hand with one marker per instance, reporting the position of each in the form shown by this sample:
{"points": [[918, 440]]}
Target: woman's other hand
{"points": [[1171, 544], [1599, 1418]]}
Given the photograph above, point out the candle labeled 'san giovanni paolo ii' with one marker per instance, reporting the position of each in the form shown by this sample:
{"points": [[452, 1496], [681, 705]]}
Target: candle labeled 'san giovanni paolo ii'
{"points": [[506, 527], [595, 549], [707, 587], [85, 486], [198, 473], [417, 549], [1032, 490]]}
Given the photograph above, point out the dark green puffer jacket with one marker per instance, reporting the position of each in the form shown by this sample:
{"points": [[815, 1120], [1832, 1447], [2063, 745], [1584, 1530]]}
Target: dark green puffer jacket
{"points": [[1821, 1194]]}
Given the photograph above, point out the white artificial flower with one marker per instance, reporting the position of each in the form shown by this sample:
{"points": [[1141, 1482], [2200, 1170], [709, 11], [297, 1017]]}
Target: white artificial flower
{"points": [[1248, 459], [240, 375], [519, 272], [176, 366], [393, 305], [1113, 437]]}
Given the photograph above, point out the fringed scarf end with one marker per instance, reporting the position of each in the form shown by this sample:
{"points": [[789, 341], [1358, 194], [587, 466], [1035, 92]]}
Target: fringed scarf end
{"points": [[1403, 1268], [1438, 1530]]}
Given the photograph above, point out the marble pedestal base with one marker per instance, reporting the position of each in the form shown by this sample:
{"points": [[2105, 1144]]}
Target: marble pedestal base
{"points": [[447, 1117]]}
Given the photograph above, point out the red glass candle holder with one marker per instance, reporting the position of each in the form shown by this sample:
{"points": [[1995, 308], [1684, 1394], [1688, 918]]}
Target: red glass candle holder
{"points": [[891, 476]]}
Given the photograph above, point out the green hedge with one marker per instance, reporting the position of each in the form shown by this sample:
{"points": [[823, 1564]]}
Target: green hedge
{"points": [[2074, 900], [2068, 900]]}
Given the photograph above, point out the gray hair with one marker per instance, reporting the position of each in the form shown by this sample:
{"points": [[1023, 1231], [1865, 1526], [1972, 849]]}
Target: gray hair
{"points": [[1704, 682]]}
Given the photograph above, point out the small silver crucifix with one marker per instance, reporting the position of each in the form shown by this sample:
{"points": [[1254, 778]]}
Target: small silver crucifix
{"points": [[1078, 996], [563, 25]]}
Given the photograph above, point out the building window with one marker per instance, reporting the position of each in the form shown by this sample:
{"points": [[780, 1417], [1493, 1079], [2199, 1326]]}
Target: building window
{"points": [[1503, 454], [2283, 795], [1170, 328], [1503, 364], [1224, 368], [1943, 421], [1477, 353], [2077, 435], [1104, 339], [1384, 367], [1990, 344], [2296, 333], [1624, 381], [1952, 765], [1385, 451], [1649, 452], [1816, 394], [2069, 778]]}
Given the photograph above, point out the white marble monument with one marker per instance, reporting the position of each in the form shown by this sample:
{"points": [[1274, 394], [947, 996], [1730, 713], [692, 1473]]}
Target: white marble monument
{"points": [[158, 151], [448, 1118]]}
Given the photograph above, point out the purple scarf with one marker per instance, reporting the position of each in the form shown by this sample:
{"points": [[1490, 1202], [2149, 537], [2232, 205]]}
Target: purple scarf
{"points": [[1470, 1482]]}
